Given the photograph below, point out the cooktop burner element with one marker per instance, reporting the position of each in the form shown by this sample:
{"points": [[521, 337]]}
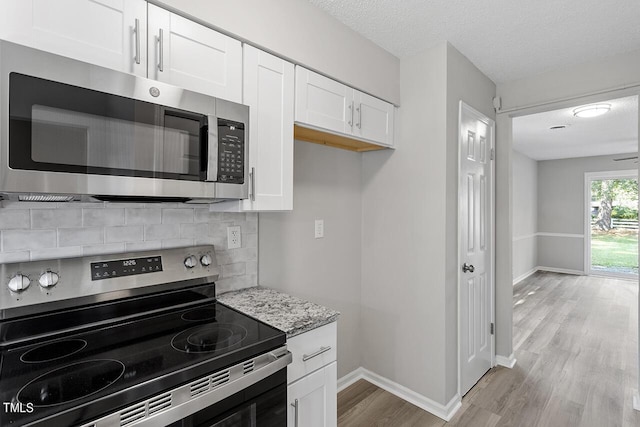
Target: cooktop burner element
{"points": [[209, 338], [71, 382], [53, 351], [199, 314]]}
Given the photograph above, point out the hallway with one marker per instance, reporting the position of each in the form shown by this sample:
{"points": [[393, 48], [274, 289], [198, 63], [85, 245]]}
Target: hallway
{"points": [[576, 343]]}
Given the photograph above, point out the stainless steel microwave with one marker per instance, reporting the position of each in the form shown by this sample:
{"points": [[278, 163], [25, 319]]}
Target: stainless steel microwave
{"points": [[75, 131]]}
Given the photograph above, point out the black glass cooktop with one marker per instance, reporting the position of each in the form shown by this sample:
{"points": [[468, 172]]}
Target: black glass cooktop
{"points": [[73, 377]]}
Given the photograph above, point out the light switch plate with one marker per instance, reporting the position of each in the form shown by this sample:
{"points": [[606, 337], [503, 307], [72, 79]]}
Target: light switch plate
{"points": [[319, 228]]}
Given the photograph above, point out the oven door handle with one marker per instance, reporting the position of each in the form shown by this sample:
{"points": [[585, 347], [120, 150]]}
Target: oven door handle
{"points": [[212, 148], [196, 395]]}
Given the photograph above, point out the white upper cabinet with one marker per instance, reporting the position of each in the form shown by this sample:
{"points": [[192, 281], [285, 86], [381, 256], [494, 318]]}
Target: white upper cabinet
{"points": [[268, 91], [109, 33], [373, 119], [192, 56], [324, 104]]}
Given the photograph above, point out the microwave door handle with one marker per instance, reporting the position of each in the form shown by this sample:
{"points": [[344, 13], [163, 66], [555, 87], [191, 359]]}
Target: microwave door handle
{"points": [[212, 148]]}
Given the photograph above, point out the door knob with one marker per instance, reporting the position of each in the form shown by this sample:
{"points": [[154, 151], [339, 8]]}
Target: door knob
{"points": [[467, 268]]}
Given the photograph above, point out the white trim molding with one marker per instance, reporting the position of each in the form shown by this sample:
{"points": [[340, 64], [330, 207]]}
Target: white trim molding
{"points": [[560, 270], [574, 236], [636, 400], [525, 237], [351, 378], [507, 362], [446, 412], [521, 277]]}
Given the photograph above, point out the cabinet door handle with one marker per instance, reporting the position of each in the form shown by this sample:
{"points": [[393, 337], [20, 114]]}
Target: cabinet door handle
{"points": [[296, 412], [136, 29], [350, 121], [161, 50], [306, 357], [252, 175], [359, 122]]}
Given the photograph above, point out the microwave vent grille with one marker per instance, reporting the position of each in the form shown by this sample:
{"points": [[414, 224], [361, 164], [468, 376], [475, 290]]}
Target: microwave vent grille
{"points": [[45, 198]]}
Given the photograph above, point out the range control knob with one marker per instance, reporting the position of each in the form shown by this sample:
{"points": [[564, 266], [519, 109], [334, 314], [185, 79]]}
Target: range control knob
{"points": [[48, 279], [206, 260], [190, 261], [19, 283]]}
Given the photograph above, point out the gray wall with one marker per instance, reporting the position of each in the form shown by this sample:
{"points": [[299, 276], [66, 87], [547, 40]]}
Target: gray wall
{"points": [[301, 32], [409, 267], [561, 208], [31, 231], [525, 215], [327, 185], [403, 236]]}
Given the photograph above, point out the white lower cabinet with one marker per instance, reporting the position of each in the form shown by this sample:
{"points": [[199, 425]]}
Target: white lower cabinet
{"points": [[312, 378], [313, 399]]}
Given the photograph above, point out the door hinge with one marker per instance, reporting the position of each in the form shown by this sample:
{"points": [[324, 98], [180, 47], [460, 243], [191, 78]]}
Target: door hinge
{"points": [[492, 154], [491, 328]]}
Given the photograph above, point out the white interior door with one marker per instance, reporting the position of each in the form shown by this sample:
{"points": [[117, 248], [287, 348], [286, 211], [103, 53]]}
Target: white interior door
{"points": [[475, 229]]}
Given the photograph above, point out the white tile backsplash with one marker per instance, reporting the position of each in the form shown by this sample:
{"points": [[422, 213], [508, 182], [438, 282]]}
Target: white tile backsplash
{"points": [[80, 236], [32, 231], [102, 217], [14, 219], [20, 240], [55, 218]]}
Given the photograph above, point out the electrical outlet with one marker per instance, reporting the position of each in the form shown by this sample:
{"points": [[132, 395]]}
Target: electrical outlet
{"points": [[319, 229], [234, 239]]}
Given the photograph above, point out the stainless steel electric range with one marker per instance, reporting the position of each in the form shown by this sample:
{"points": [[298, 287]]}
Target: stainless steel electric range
{"points": [[134, 339]]}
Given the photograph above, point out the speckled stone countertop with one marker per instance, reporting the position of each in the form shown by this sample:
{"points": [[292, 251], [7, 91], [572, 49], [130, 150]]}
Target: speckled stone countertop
{"points": [[289, 314]]}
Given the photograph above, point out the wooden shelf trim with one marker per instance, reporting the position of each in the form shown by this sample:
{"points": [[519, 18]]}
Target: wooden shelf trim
{"points": [[338, 141]]}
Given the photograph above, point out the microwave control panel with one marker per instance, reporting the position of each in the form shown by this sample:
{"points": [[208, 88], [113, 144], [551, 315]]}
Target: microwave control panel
{"points": [[230, 152]]}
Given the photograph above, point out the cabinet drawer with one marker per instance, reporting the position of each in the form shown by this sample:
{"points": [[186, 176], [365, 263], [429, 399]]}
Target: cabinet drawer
{"points": [[306, 350]]}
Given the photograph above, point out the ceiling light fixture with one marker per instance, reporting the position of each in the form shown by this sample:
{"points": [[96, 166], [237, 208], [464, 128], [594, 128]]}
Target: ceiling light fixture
{"points": [[593, 110]]}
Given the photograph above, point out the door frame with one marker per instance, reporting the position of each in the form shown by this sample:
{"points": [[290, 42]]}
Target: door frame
{"points": [[504, 119], [594, 176], [490, 232]]}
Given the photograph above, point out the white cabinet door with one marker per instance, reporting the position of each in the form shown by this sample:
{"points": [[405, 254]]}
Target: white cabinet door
{"points": [[323, 103], [373, 119], [313, 399], [268, 91], [101, 32], [192, 56]]}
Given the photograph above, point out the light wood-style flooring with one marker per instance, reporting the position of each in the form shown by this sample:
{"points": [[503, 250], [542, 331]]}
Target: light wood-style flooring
{"points": [[576, 343]]}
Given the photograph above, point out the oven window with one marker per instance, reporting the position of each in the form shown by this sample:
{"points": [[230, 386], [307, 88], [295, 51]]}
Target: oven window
{"points": [[63, 128]]}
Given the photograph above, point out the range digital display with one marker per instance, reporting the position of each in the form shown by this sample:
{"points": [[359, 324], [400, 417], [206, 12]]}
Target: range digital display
{"points": [[125, 267]]}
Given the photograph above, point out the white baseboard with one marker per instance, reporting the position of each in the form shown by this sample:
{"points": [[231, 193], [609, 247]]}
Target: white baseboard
{"points": [[560, 270], [350, 378], [446, 412], [521, 277], [636, 400], [507, 362]]}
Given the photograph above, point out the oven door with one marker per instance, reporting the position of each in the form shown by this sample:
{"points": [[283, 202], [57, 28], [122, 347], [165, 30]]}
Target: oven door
{"points": [[263, 404], [56, 127]]}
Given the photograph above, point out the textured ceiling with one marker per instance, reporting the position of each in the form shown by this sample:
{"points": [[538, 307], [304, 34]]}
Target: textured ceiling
{"points": [[613, 133], [505, 39]]}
